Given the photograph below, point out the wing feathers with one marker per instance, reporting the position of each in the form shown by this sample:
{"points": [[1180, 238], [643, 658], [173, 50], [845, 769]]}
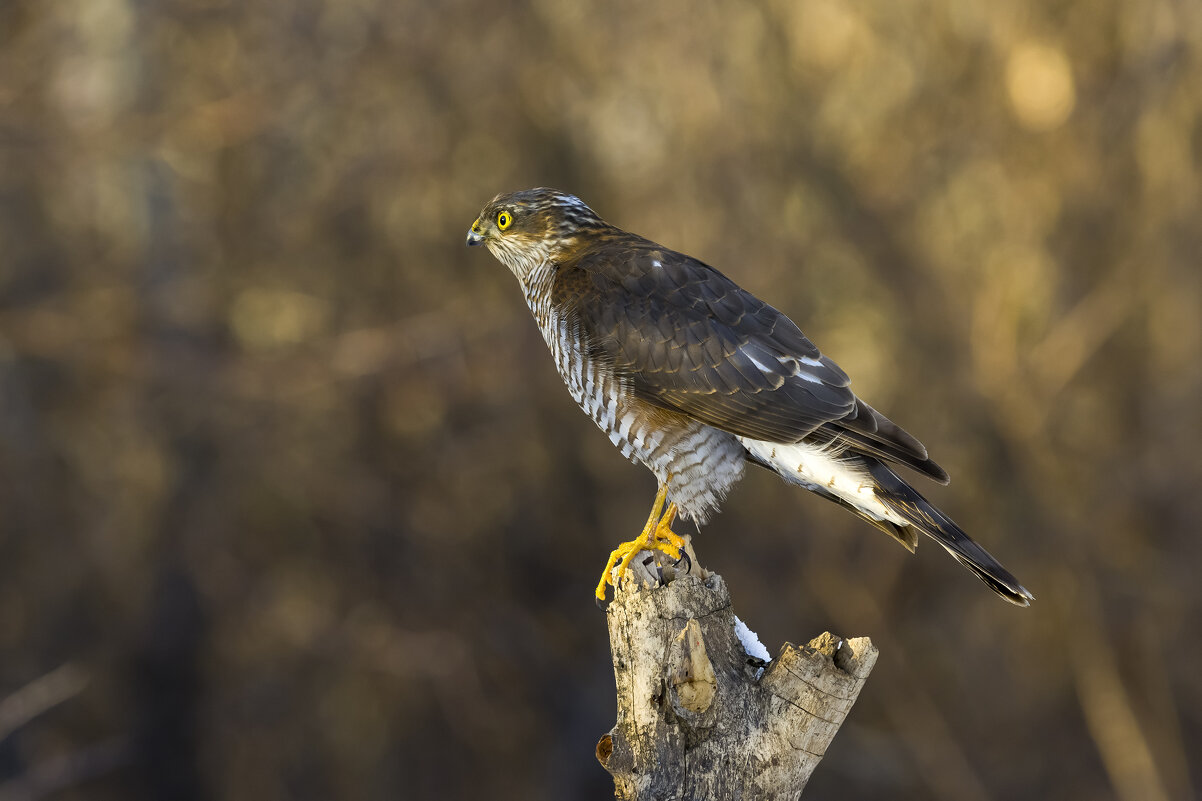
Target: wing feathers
{"points": [[690, 340]]}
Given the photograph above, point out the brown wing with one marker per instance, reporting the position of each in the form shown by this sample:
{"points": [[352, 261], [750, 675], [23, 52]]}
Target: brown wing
{"points": [[688, 338]]}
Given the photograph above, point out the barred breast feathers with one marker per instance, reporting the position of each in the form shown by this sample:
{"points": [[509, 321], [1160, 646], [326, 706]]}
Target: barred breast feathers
{"points": [[699, 463]]}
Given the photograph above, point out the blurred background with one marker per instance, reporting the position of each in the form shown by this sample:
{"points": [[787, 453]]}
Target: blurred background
{"points": [[293, 504]]}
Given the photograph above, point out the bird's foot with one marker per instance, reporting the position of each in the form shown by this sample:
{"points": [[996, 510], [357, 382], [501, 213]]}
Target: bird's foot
{"points": [[657, 535]]}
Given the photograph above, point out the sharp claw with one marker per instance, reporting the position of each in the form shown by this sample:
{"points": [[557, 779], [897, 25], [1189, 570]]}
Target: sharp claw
{"points": [[659, 570], [684, 557], [601, 603]]}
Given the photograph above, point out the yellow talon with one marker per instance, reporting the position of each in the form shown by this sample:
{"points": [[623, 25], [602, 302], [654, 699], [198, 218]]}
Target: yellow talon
{"points": [[657, 535]]}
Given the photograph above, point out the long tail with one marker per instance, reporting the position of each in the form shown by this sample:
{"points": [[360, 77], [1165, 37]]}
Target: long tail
{"points": [[916, 510], [870, 489]]}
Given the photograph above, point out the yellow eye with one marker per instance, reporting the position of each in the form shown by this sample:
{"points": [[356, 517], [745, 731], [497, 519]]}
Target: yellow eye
{"points": [[504, 219]]}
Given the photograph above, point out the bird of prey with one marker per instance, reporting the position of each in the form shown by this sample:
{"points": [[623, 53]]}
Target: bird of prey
{"points": [[695, 377]]}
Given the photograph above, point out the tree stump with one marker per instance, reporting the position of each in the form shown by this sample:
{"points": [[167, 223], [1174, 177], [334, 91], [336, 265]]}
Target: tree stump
{"points": [[698, 717]]}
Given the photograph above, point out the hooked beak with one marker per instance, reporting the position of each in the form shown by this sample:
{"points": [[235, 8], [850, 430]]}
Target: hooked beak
{"points": [[475, 235]]}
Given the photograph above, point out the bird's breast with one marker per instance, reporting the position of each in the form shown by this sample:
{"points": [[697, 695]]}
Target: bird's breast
{"points": [[603, 395], [699, 463]]}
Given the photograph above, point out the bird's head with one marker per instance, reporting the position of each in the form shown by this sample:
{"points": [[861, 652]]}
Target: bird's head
{"points": [[529, 228]]}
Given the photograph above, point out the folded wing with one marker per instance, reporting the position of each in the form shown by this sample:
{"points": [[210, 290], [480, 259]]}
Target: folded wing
{"points": [[689, 339]]}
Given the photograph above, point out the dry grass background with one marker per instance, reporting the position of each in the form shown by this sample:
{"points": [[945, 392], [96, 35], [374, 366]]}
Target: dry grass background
{"points": [[294, 506]]}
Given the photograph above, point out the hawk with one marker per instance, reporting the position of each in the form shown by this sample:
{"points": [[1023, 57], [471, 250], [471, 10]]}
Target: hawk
{"points": [[695, 377]]}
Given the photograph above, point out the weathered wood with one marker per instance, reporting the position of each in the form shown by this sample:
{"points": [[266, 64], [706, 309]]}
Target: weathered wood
{"points": [[697, 717]]}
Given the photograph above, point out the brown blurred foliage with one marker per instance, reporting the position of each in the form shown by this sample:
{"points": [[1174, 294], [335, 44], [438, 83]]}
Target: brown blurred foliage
{"points": [[294, 506]]}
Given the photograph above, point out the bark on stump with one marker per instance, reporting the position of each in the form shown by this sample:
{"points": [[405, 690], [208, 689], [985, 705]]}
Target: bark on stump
{"points": [[700, 719]]}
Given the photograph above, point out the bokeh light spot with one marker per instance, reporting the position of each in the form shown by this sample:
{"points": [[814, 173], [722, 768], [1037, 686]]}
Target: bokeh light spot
{"points": [[1039, 81]]}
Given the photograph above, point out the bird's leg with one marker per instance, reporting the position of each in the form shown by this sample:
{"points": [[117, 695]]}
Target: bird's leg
{"points": [[657, 535], [670, 542]]}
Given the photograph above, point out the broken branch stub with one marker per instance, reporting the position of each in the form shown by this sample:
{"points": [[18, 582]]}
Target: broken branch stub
{"points": [[700, 719]]}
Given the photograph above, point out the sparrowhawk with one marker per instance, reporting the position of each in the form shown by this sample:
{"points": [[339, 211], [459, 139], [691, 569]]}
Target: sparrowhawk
{"points": [[694, 378]]}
